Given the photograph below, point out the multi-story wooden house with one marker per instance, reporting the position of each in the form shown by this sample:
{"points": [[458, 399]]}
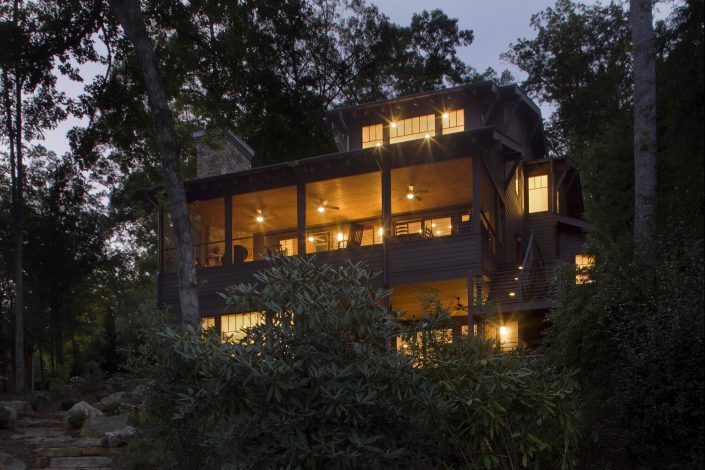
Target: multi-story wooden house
{"points": [[448, 192]]}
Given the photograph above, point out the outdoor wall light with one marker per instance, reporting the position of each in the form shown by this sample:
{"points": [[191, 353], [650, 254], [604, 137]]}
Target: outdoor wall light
{"points": [[445, 115], [503, 331], [311, 239], [260, 217], [340, 236], [393, 125]]}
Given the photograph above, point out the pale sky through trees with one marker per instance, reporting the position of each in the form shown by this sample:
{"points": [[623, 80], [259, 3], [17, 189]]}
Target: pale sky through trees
{"points": [[495, 23]]}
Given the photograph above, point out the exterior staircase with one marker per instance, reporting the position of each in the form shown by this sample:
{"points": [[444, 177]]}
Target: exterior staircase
{"points": [[53, 447]]}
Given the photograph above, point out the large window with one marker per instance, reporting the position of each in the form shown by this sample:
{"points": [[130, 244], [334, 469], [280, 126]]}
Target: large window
{"points": [[264, 223], [233, 326], [207, 234], [344, 212], [453, 121], [372, 136], [538, 193], [431, 200], [418, 127]]}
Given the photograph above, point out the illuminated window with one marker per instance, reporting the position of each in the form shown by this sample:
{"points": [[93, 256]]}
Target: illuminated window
{"points": [[583, 263], [453, 121], [207, 322], [372, 135], [233, 326], [413, 128], [439, 227], [538, 193]]}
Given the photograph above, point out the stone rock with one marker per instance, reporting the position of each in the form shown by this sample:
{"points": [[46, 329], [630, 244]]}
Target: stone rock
{"points": [[116, 397], [10, 462], [97, 426], [84, 408], [18, 405], [12, 411], [120, 437], [80, 462]]}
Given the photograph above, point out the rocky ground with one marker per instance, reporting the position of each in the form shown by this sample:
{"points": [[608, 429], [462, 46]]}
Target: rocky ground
{"points": [[43, 440]]}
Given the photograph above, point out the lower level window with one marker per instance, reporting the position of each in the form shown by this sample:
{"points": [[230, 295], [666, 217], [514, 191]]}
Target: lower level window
{"points": [[233, 326], [207, 322], [583, 263]]}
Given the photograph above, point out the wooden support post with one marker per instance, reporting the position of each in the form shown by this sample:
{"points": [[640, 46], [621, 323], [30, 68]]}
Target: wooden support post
{"points": [[386, 214], [228, 257], [301, 215], [476, 207]]}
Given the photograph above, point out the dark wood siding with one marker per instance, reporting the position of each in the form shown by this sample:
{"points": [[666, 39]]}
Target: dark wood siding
{"points": [[543, 226], [407, 262], [433, 259], [215, 280], [570, 242]]}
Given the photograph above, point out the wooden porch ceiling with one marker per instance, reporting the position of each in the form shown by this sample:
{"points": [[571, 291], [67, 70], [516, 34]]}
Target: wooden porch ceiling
{"points": [[406, 298]]}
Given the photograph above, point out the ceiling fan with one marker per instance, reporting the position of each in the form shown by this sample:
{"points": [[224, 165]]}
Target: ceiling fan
{"points": [[412, 193], [458, 308], [323, 206]]}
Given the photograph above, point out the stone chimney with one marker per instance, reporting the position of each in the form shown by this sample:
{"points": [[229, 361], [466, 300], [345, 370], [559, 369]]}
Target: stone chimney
{"points": [[231, 156]]}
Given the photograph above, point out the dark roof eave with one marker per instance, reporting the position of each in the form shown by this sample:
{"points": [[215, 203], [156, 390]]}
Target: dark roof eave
{"points": [[413, 96]]}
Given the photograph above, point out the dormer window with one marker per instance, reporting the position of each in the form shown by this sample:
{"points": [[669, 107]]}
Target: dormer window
{"points": [[538, 193], [418, 127], [372, 136], [453, 121]]}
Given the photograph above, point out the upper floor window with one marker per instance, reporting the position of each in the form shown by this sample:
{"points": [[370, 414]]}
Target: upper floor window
{"points": [[372, 135], [418, 127], [538, 193], [453, 121]]}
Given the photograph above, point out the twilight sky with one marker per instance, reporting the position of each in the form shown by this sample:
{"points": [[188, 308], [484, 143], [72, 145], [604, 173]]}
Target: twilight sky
{"points": [[495, 23]]}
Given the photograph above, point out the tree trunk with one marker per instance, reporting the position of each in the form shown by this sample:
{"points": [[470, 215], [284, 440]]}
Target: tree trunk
{"points": [[130, 17], [644, 120], [20, 365]]}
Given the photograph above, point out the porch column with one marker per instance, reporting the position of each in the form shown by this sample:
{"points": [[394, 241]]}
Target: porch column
{"points": [[301, 215], [228, 257], [386, 213], [476, 208]]}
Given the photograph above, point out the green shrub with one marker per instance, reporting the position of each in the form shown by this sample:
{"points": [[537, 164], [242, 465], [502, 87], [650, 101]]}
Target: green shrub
{"points": [[76, 419], [317, 387], [112, 408], [636, 333]]}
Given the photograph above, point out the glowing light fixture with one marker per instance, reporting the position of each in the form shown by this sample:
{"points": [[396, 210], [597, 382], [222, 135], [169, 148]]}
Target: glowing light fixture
{"points": [[410, 195], [311, 239], [380, 231], [393, 125], [340, 236], [428, 136], [516, 278], [259, 218], [445, 115], [512, 294], [521, 267], [378, 144], [321, 208], [503, 331]]}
